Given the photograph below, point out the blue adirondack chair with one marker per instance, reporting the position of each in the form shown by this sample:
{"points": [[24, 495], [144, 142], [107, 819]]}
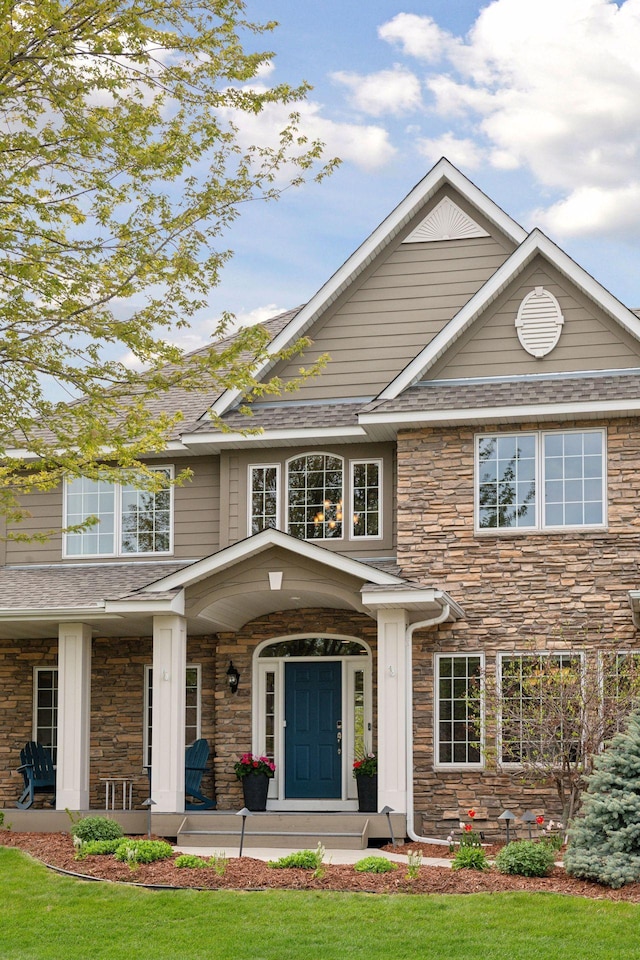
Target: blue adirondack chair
{"points": [[36, 766], [195, 761]]}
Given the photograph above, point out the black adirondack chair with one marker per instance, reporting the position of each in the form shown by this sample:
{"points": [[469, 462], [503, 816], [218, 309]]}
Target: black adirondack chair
{"points": [[195, 760], [36, 766]]}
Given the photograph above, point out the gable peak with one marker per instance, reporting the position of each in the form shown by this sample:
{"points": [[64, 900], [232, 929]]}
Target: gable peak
{"points": [[445, 222]]}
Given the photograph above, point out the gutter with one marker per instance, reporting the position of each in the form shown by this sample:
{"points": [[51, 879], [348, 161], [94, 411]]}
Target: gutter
{"points": [[421, 624]]}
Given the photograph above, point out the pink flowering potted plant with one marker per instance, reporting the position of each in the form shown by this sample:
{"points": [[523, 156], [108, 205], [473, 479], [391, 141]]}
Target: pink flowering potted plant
{"points": [[365, 770], [254, 773]]}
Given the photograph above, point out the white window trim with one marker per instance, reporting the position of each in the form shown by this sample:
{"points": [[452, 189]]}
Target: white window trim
{"points": [[352, 465], [117, 506], [264, 466], [510, 655], [145, 708], [437, 763], [539, 526], [314, 453], [34, 709]]}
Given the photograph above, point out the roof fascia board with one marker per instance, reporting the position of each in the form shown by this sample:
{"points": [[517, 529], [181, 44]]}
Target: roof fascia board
{"points": [[536, 243], [489, 414], [273, 436], [108, 610], [442, 173], [147, 605], [408, 598], [260, 542]]}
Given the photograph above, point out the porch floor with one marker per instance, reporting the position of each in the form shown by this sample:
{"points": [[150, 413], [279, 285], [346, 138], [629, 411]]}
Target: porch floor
{"points": [[220, 829]]}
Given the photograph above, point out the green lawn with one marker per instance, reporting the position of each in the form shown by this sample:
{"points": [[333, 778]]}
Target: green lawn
{"points": [[47, 917]]}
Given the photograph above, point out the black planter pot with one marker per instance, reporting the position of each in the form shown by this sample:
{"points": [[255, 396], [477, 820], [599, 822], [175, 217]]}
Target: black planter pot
{"points": [[255, 787], [367, 794]]}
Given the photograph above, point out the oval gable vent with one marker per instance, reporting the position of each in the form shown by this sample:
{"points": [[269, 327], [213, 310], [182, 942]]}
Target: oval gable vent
{"points": [[539, 322]]}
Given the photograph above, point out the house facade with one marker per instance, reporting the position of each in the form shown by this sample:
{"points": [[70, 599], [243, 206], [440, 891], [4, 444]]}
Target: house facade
{"points": [[454, 495]]}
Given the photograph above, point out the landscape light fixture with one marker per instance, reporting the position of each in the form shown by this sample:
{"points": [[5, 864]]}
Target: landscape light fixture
{"points": [[508, 818], [244, 813], [387, 812], [529, 818]]}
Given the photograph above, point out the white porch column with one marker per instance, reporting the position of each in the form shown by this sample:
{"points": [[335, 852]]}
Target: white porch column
{"points": [[168, 733], [74, 716], [392, 698]]}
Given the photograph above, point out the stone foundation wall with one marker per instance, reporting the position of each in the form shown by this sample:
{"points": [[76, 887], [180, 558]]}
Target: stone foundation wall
{"points": [[519, 592]]}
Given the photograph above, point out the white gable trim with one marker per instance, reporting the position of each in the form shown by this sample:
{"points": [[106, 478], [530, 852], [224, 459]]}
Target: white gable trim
{"points": [[442, 173], [261, 542], [536, 243]]}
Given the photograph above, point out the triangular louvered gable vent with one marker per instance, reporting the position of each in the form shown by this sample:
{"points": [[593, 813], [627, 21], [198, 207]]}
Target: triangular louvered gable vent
{"points": [[445, 222], [539, 322]]}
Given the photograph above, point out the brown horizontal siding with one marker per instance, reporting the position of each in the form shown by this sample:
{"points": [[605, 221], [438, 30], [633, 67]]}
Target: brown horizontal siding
{"points": [[589, 339], [196, 519], [393, 311], [46, 514], [197, 510]]}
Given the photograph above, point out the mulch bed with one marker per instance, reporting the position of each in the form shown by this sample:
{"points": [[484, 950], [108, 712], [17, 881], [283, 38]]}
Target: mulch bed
{"points": [[56, 850]]}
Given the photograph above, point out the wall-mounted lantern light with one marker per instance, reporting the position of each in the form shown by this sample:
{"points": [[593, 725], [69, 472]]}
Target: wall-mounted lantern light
{"points": [[233, 677]]}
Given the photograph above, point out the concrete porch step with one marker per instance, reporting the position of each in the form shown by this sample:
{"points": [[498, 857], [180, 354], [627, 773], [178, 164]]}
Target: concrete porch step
{"points": [[300, 830]]}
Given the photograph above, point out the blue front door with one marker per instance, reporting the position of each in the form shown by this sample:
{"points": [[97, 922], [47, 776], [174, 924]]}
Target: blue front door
{"points": [[313, 702]]}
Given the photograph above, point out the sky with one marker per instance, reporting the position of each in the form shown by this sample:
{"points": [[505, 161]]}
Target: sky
{"points": [[536, 101]]}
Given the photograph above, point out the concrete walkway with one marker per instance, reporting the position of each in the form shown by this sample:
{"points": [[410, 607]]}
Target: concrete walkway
{"points": [[331, 856]]}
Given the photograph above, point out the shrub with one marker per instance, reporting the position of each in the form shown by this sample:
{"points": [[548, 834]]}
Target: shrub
{"points": [[143, 851], [190, 860], [375, 865], [470, 858], [303, 859], [96, 828], [99, 848], [526, 858]]}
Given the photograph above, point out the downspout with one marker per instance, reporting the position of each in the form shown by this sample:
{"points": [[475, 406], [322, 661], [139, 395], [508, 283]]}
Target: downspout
{"points": [[434, 621]]}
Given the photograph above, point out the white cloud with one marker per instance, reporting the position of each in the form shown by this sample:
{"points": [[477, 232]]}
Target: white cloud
{"points": [[553, 86], [395, 91], [416, 36], [587, 208], [462, 153], [366, 145]]}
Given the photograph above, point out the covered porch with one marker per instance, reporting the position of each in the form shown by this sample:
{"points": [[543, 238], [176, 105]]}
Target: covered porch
{"points": [[263, 605]]}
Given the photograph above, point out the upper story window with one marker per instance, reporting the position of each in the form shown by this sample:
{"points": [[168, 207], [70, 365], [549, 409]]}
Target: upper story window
{"points": [[315, 497], [540, 480], [130, 521], [263, 493], [365, 498], [327, 498]]}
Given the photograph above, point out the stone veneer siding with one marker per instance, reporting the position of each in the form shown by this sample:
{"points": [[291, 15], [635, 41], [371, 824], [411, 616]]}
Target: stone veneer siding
{"points": [[17, 661], [537, 590]]}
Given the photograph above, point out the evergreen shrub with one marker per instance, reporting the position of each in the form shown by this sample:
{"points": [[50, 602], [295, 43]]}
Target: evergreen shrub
{"points": [[604, 841], [525, 858]]}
